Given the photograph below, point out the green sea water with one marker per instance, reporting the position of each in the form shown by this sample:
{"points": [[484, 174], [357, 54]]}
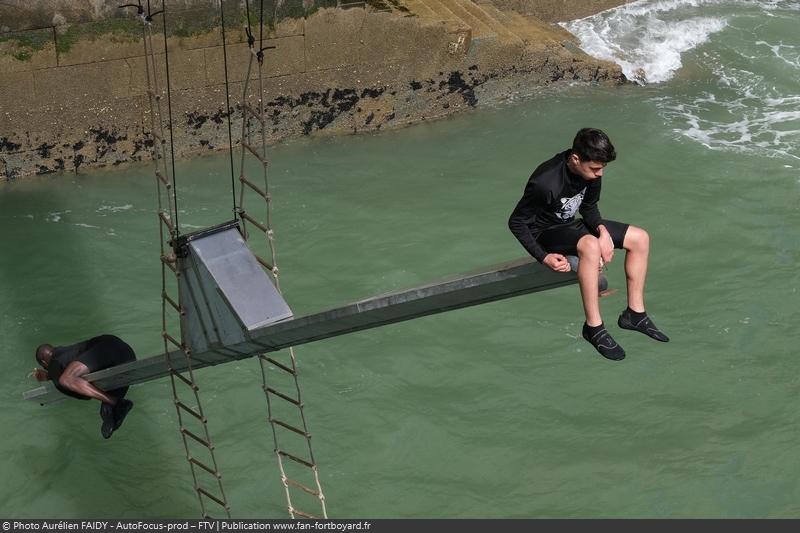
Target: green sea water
{"points": [[501, 410]]}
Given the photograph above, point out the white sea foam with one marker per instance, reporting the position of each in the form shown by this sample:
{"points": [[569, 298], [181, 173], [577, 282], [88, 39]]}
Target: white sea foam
{"points": [[82, 225], [647, 45], [55, 216], [114, 208], [647, 38], [767, 127], [789, 54], [747, 112]]}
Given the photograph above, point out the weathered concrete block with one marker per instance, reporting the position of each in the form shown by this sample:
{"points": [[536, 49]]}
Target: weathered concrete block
{"points": [[187, 68], [27, 50], [81, 84], [137, 82], [233, 35], [333, 38], [16, 92], [288, 56], [409, 48], [238, 58], [288, 28], [103, 48]]}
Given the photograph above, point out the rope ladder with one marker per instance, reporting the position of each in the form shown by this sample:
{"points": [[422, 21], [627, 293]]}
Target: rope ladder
{"points": [[285, 409], [192, 422]]}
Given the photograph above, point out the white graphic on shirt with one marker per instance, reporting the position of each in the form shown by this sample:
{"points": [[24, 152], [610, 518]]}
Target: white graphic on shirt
{"points": [[569, 206]]}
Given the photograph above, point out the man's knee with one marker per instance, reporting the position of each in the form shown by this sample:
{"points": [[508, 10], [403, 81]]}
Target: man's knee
{"points": [[589, 245], [637, 239]]}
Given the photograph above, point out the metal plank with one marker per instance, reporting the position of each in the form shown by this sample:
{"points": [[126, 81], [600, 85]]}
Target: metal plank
{"points": [[497, 282]]}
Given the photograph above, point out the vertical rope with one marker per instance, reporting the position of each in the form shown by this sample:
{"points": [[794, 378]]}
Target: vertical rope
{"points": [[228, 101], [169, 112], [261, 25]]}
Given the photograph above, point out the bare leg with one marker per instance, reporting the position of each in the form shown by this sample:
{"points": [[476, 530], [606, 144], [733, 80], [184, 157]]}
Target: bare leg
{"points": [[72, 379], [637, 244], [588, 275]]}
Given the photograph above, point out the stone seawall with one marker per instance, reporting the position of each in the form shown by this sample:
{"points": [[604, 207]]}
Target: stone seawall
{"points": [[335, 71]]}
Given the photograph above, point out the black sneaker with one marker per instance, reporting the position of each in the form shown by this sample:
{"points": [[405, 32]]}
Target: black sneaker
{"points": [[644, 325], [603, 342], [107, 415], [121, 410]]}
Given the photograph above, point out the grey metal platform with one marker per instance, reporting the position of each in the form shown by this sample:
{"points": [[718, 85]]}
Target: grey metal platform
{"points": [[497, 282]]}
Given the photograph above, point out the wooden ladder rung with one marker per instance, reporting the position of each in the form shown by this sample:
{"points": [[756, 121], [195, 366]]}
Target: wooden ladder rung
{"points": [[290, 427], [205, 467], [301, 513], [169, 264], [163, 179], [254, 222], [207, 494], [294, 458], [202, 441], [172, 340], [171, 302], [255, 153], [191, 411], [255, 187], [284, 396], [302, 487], [185, 380], [264, 263], [167, 222], [283, 367]]}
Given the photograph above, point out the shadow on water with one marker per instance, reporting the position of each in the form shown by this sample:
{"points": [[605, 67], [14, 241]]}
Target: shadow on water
{"points": [[58, 460]]}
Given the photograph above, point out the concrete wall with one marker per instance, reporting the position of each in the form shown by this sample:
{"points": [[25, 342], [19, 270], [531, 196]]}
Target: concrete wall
{"points": [[338, 71]]}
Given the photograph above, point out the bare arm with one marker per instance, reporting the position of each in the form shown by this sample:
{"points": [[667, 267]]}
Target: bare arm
{"points": [[606, 244], [72, 379]]}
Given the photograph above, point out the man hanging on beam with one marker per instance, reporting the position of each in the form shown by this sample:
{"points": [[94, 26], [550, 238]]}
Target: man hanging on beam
{"points": [[66, 366], [544, 223]]}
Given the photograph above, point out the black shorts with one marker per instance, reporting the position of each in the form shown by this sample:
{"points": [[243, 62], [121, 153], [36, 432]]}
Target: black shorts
{"points": [[106, 351], [563, 238]]}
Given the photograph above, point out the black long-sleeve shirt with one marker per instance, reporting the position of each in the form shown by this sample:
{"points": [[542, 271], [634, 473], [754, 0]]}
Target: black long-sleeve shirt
{"points": [[552, 196]]}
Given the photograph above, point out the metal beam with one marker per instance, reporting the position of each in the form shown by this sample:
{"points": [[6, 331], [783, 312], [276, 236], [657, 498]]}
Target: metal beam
{"points": [[497, 282]]}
